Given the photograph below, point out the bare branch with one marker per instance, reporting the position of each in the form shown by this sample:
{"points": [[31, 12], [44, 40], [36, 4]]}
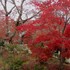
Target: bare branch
{"points": [[2, 3], [31, 17], [11, 10], [19, 11], [15, 5], [65, 24]]}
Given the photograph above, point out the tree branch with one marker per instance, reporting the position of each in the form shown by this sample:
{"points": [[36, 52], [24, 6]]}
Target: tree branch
{"points": [[11, 10], [65, 25], [31, 17]]}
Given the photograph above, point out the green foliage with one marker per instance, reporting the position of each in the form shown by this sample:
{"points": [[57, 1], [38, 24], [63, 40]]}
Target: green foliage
{"points": [[14, 60], [1, 42], [36, 67], [40, 67], [11, 47], [14, 48], [16, 64]]}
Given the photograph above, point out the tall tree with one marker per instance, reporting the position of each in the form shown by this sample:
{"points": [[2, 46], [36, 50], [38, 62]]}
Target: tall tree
{"points": [[4, 5], [15, 9]]}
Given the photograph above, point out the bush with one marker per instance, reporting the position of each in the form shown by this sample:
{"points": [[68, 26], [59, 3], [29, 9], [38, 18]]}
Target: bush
{"points": [[16, 64]]}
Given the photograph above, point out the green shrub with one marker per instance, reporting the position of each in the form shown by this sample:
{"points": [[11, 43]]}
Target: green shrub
{"points": [[16, 64]]}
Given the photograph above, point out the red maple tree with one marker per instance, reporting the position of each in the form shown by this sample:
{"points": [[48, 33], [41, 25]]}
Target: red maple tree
{"points": [[50, 32]]}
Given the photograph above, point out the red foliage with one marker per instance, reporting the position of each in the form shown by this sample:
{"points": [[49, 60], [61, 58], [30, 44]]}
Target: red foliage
{"points": [[44, 35], [3, 26], [67, 31]]}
